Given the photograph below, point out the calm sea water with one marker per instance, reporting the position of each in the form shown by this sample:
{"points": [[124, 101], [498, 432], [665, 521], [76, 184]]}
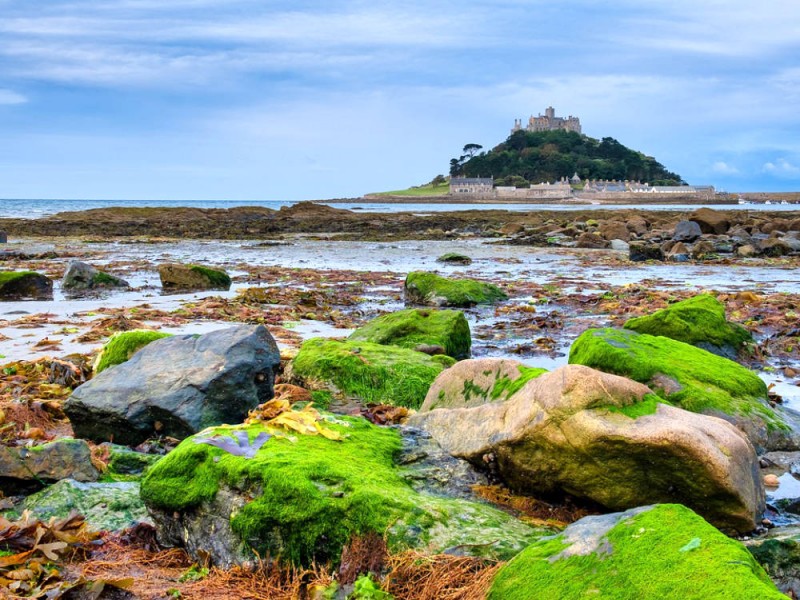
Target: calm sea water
{"points": [[32, 209]]}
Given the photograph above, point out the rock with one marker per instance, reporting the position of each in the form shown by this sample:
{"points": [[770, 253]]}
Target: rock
{"points": [[710, 221], [740, 235], [699, 321], [687, 231], [775, 225], [431, 349], [641, 251], [366, 371], [178, 385], [637, 224], [123, 345], [3, 237], [794, 225], [512, 229], [413, 327], [106, 506], [304, 500], [81, 276], [433, 290], [22, 285], [747, 251], [453, 258], [678, 252], [478, 381], [619, 246], [704, 249], [127, 464], [646, 553], [614, 230], [193, 277], [692, 378], [779, 554], [27, 469], [609, 439], [774, 247], [771, 480], [591, 240]]}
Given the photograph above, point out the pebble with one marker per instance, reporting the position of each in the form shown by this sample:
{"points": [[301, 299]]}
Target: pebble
{"points": [[771, 480]]}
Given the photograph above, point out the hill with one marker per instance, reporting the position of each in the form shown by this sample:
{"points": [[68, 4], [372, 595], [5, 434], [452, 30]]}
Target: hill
{"points": [[533, 157]]}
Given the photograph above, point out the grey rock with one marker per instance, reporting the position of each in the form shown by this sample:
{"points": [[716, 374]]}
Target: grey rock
{"points": [[26, 469], [177, 386], [641, 251], [687, 231], [620, 246], [3, 237], [81, 276]]}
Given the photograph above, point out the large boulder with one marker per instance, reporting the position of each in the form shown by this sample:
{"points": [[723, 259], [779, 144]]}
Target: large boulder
{"points": [[614, 230], [699, 321], [433, 290], [192, 277], [416, 327], [27, 469], [687, 231], [109, 506], [609, 439], [304, 499], [478, 381], [710, 220], [178, 385], [689, 377], [366, 371], [646, 553], [22, 285], [81, 277]]}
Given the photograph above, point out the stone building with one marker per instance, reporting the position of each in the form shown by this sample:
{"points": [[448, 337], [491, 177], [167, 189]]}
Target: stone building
{"points": [[549, 122], [472, 185]]}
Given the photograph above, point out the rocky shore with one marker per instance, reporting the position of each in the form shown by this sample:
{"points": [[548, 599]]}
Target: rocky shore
{"points": [[473, 428]]}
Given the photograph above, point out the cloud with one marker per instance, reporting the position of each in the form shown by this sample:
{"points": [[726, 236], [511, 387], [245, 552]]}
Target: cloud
{"points": [[722, 168], [9, 97], [781, 168]]}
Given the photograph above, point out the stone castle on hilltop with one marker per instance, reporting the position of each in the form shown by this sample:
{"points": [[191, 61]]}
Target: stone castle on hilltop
{"points": [[549, 122]]}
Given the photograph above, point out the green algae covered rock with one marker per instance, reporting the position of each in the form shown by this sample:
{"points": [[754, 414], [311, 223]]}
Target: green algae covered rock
{"points": [[121, 346], [193, 277], [302, 499], [686, 376], [454, 258], [125, 464], [367, 371], [699, 321], [414, 327], [433, 290], [107, 506], [17, 285], [779, 553], [647, 553], [478, 381]]}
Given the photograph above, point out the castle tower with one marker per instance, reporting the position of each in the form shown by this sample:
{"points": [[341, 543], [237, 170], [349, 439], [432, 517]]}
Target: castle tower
{"points": [[550, 112]]}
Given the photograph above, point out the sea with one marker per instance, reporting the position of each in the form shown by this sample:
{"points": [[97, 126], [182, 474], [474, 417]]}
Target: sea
{"points": [[33, 209]]}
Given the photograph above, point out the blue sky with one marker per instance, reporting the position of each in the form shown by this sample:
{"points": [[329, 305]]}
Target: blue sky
{"points": [[246, 99]]}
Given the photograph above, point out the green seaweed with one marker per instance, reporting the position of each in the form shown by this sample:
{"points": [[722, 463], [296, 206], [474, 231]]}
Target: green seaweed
{"points": [[699, 321], [506, 387], [217, 278], [705, 382], [367, 371], [429, 288], [647, 406], [640, 559], [412, 327], [7, 277], [121, 346], [311, 495]]}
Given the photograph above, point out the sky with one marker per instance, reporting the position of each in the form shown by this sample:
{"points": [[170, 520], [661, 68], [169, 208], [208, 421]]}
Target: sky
{"points": [[303, 99]]}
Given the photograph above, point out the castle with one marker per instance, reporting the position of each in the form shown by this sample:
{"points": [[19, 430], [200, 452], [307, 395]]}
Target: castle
{"points": [[549, 122]]}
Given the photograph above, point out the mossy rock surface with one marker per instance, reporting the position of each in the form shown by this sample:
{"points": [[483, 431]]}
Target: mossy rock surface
{"points": [[434, 290], [366, 371], [414, 327], [16, 285], [121, 346], [699, 321], [106, 506], [648, 553], [454, 258], [176, 276], [304, 499], [686, 376], [125, 464]]}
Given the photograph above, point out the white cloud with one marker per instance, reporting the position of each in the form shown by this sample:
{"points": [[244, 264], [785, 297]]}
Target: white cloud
{"points": [[781, 168], [722, 168], [9, 97]]}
